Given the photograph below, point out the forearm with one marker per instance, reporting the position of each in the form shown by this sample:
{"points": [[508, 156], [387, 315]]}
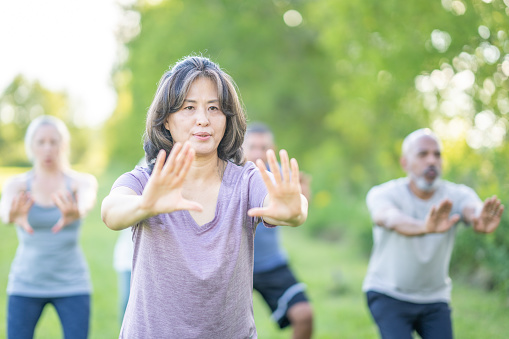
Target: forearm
{"points": [[86, 202], [400, 223], [4, 212], [122, 211], [87, 194], [470, 212]]}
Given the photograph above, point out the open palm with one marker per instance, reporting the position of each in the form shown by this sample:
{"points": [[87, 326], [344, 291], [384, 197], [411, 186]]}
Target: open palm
{"points": [[20, 207], [284, 205], [68, 207], [490, 216], [163, 193], [438, 220]]}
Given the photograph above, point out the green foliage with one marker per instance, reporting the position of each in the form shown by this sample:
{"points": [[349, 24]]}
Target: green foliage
{"points": [[20, 103], [342, 89], [281, 73]]}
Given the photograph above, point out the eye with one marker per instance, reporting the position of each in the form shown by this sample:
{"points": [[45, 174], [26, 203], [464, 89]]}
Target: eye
{"points": [[188, 108], [214, 108]]}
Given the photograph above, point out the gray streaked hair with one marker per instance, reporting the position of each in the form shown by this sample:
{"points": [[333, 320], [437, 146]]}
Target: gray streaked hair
{"points": [[169, 98], [409, 140]]}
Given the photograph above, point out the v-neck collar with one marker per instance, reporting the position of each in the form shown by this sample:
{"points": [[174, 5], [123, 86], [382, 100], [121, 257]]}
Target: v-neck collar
{"points": [[208, 225]]}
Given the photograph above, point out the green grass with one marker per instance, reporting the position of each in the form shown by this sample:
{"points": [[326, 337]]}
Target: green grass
{"points": [[332, 270]]}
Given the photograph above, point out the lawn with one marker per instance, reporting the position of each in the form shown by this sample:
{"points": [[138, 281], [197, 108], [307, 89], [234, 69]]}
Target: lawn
{"points": [[332, 270]]}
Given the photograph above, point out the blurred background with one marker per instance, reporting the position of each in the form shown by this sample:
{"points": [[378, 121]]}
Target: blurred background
{"points": [[340, 82]]}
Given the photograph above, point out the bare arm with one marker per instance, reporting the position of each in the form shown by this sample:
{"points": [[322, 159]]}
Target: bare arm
{"points": [[122, 209], [86, 193], [16, 203], [162, 194], [437, 220], [284, 205]]}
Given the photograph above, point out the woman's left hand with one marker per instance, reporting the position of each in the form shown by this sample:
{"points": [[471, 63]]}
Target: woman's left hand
{"points": [[284, 205], [68, 206]]}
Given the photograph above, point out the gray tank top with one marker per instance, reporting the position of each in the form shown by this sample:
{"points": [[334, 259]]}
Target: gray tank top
{"points": [[48, 264]]}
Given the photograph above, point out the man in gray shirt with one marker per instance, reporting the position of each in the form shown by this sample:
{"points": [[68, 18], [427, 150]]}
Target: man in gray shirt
{"points": [[407, 284]]}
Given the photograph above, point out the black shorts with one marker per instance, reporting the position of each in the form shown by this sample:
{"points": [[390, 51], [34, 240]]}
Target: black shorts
{"points": [[280, 290]]}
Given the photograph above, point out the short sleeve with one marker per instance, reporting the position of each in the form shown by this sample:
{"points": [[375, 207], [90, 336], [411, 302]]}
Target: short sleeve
{"points": [[466, 196], [378, 198], [135, 180], [257, 189]]}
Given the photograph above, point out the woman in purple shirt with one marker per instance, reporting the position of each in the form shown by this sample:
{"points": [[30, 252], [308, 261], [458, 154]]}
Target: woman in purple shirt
{"points": [[195, 208]]}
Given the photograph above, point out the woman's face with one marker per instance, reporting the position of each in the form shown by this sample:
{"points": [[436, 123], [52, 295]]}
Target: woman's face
{"points": [[200, 120], [47, 146]]}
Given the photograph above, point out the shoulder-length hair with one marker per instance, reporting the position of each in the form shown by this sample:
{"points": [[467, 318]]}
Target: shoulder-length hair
{"points": [[169, 98], [65, 137]]}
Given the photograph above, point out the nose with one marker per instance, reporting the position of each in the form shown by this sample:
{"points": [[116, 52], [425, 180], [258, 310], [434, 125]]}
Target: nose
{"points": [[202, 118], [432, 159]]}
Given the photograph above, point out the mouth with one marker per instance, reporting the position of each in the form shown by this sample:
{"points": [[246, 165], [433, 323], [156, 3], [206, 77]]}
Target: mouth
{"points": [[202, 135], [431, 173]]}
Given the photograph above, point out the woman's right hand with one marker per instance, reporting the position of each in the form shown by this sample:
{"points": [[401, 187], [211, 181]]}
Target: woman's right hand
{"points": [[18, 213], [163, 193]]}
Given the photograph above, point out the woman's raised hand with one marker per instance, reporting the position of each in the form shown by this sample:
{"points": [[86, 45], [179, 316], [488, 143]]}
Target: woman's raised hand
{"points": [[18, 212], [163, 193], [284, 204], [68, 207]]}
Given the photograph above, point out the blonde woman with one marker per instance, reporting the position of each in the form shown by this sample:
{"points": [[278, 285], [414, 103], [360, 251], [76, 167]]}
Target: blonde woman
{"points": [[47, 205]]}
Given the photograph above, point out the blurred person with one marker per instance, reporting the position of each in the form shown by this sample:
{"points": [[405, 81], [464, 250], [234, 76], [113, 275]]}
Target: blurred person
{"points": [[194, 210], [407, 283], [47, 204], [273, 278], [122, 263]]}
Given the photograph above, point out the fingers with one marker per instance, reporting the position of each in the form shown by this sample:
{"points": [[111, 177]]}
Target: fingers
{"points": [[493, 206], [181, 158], [445, 206], [22, 202], [500, 211], [265, 177], [188, 161], [285, 165], [179, 161], [58, 226], [169, 166], [439, 219], [454, 219], [191, 206], [63, 200], [257, 212], [26, 226], [273, 165], [289, 172], [158, 166], [295, 171]]}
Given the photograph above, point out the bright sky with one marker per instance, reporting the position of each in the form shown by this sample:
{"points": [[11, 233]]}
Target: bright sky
{"points": [[66, 45]]}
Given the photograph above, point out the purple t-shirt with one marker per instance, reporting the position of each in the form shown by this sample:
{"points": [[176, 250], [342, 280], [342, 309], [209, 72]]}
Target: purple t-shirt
{"points": [[191, 281]]}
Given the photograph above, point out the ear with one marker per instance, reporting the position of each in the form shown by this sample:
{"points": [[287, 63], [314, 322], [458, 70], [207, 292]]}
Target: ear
{"points": [[167, 123], [403, 162]]}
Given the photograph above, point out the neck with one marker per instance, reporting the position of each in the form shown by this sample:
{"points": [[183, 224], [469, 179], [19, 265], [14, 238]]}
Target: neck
{"points": [[205, 169], [47, 171], [424, 195]]}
